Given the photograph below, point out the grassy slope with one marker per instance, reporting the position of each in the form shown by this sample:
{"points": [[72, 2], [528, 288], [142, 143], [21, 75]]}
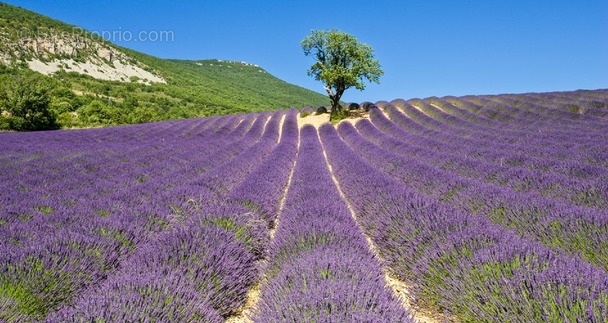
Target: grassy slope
{"points": [[194, 88], [231, 84]]}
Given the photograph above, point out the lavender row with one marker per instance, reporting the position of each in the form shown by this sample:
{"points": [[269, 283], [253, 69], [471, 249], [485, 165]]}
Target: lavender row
{"points": [[107, 240], [524, 111], [568, 119], [538, 139], [550, 132], [212, 253], [576, 230], [245, 162], [210, 192], [590, 193], [587, 141], [195, 272], [28, 144], [573, 128], [550, 149], [509, 121], [461, 263], [63, 156], [566, 106], [490, 153], [119, 231], [438, 141], [547, 132], [448, 134], [92, 192], [62, 181], [39, 182], [306, 111], [475, 116], [264, 188], [575, 113], [320, 268]]}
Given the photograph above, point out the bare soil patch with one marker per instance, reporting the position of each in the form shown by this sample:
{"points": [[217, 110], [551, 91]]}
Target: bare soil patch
{"points": [[317, 120]]}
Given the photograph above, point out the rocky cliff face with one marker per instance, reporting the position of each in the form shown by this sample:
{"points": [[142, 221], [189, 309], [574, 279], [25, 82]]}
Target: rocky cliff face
{"points": [[50, 52]]}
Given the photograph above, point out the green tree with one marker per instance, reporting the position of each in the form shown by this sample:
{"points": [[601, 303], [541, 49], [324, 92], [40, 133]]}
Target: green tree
{"points": [[99, 113], [143, 115], [24, 102], [341, 62]]}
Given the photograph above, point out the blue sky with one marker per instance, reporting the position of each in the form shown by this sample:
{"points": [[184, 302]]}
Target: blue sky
{"points": [[426, 48]]}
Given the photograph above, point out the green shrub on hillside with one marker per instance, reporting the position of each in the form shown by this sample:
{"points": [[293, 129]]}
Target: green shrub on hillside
{"points": [[24, 103]]}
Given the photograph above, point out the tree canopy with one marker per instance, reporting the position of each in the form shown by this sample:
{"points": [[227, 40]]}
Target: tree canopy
{"points": [[341, 62]]}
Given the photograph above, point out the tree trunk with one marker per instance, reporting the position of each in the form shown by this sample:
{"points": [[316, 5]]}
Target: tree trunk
{"points": [[335, 104], [334, 98]]}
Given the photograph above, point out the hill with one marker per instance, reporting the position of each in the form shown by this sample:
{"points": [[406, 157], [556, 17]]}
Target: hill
{"points": [[94, 82]]}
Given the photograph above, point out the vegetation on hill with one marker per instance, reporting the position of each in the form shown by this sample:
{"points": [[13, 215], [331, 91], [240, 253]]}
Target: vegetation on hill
{"points": [[193, 88], [25, 101]]}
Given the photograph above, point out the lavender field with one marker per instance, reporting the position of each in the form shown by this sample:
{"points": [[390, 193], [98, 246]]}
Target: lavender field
{"points": [[473, 209]]}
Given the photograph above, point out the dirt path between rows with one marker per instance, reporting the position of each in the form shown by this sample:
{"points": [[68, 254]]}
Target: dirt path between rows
{"points": [[318, 120], [399, 288], [281, 127], [253, 295]]}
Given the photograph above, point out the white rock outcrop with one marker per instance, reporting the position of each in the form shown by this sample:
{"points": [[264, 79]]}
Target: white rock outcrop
{"points": [[55, 52]]}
